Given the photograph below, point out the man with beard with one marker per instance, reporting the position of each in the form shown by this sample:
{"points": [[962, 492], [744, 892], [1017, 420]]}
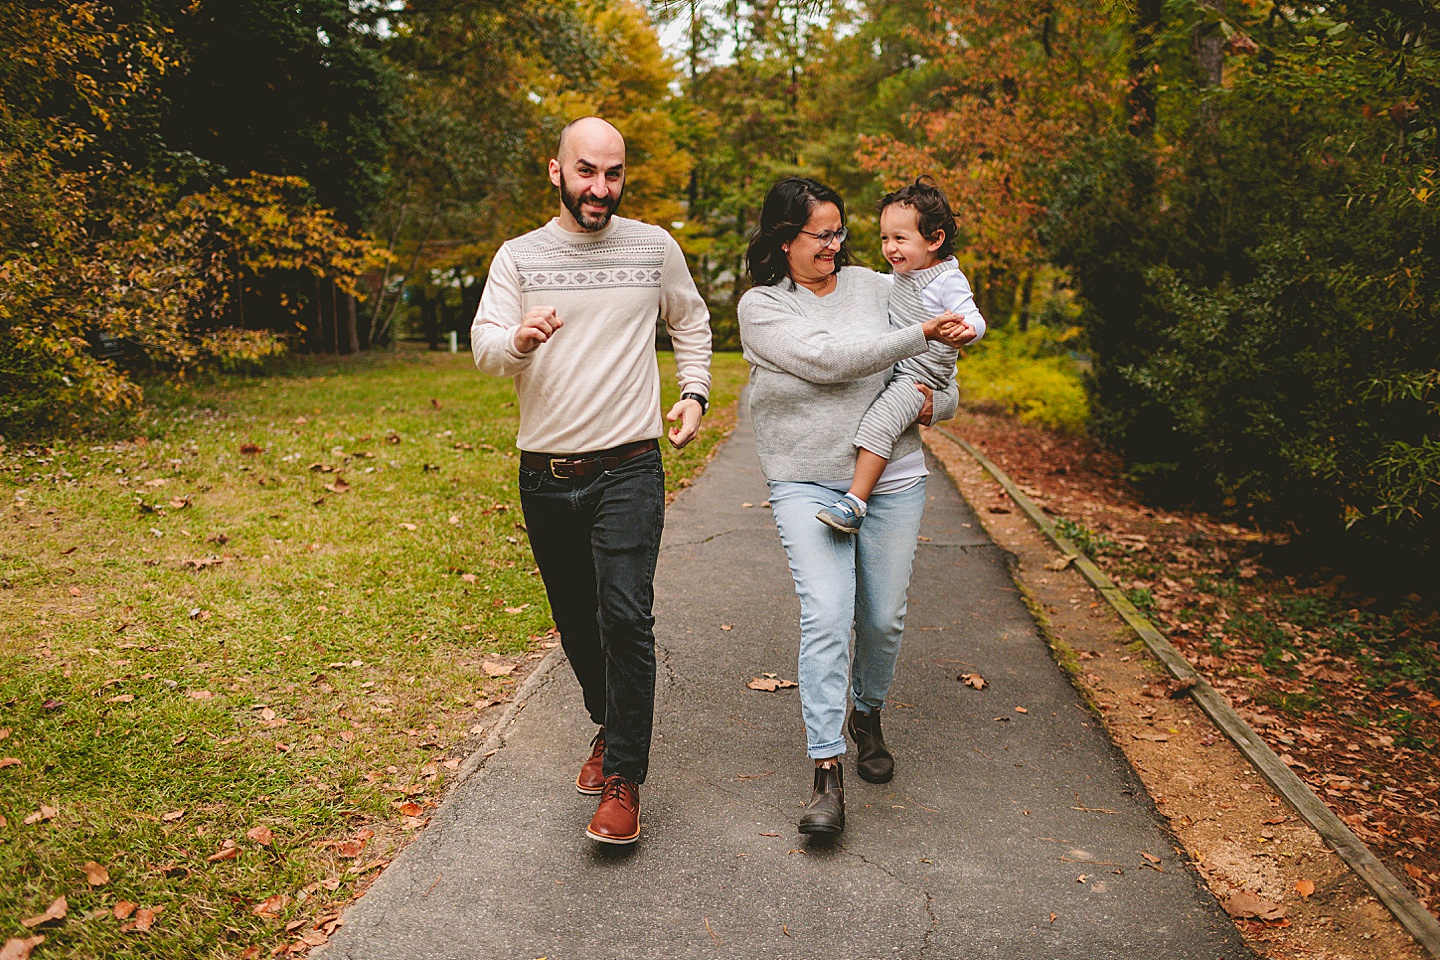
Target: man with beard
{"points": [[569, 311]]}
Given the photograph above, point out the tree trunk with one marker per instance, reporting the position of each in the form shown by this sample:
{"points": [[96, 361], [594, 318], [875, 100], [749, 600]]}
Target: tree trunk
{"points": [[430, 320], [352, 325], [1141, 99], [334, 317], [325, 293], [316, 340], [1026, 291], [1210, 50]]}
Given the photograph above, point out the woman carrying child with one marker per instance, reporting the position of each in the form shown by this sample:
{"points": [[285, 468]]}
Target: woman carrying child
{"points": [[816, 333]]}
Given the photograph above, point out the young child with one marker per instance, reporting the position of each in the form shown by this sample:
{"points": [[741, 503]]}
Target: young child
{"points": [[917, 229]]}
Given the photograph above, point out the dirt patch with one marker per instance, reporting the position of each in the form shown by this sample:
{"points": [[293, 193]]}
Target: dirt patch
{"points": [[1240, 835]]}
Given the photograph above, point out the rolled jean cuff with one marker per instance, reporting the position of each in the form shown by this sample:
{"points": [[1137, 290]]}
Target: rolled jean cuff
{"points": [[865, 706], [825, 751]]}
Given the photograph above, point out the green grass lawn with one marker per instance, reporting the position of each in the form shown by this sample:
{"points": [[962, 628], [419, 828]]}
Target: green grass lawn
{"points": [[274, 609]]}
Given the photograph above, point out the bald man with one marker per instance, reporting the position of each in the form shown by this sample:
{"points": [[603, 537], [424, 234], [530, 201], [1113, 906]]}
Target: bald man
{"points": [[569, 312]]}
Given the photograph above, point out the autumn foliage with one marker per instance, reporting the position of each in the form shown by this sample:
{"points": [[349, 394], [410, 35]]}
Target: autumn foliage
{"points": [[107, 270]]}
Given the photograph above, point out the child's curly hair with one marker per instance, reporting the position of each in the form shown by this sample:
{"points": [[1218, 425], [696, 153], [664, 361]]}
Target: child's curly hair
{"points": [[929, 202]]}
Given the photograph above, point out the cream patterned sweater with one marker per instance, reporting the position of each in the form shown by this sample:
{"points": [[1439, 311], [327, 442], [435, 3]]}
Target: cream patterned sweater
{"points": [[595, 384]]}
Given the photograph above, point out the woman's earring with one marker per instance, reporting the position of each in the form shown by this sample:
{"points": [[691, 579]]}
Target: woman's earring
{"points": [[784, 248]]}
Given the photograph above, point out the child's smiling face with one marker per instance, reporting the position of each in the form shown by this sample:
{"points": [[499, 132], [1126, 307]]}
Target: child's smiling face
{"points": [[901, 242]]}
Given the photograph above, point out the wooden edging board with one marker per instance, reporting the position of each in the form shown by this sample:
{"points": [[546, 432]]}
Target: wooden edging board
{"points": [[1409, 911]]}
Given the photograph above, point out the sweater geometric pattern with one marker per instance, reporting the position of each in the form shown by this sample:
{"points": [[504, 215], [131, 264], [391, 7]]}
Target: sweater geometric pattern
{"points": [[627, 258]]}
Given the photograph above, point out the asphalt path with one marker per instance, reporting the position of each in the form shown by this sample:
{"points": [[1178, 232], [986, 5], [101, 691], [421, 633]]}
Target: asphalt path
{"points": [[1004, 834]]}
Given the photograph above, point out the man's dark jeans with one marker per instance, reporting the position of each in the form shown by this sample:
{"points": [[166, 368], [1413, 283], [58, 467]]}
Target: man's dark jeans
{"points": [[596, 540]]}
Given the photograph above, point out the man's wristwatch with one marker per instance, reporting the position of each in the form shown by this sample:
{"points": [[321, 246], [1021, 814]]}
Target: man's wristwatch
{"points": [[700, 399]]}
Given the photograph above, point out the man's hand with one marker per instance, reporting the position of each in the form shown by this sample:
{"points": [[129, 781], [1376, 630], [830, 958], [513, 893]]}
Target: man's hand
{"points": [[927, 412], [688, 412], [536, 327]]}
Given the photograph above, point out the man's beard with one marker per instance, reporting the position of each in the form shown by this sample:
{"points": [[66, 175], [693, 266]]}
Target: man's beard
{"points": [[586, 221]]}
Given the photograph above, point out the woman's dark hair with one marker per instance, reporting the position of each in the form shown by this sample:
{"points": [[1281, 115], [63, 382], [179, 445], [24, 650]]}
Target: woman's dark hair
{"points": [[929, 202], [787, 209]]}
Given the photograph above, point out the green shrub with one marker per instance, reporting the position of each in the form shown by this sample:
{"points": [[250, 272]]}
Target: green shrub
{"points": [[1260, 291], [1028, 373]]}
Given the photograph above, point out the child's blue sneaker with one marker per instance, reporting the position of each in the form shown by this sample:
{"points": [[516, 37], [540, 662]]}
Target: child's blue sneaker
{"points": [[842, 515]]}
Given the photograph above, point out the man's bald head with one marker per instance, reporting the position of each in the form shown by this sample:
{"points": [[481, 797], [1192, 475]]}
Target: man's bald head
{"points": [[589, 171], [590, 134]]}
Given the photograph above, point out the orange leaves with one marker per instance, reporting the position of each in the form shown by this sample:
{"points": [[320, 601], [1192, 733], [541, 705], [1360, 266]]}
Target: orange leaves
{"points": [[9, 762], [769, 683], [144, 920], [95, 874], [271, 907], [261, 835], [123, 909], [228, 851], [973, 680]]}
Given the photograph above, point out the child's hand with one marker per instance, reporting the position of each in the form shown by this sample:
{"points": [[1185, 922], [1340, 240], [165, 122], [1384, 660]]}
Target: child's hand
{"points": [[957, 330]]}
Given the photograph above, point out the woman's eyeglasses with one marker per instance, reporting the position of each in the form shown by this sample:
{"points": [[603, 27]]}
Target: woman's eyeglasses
{"points": [[827, 237]]}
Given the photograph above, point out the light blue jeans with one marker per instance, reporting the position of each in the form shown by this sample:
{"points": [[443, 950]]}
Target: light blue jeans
{"points": [[846, 582]]}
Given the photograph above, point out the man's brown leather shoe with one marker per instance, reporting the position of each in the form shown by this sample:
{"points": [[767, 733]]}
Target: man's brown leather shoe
{"points": [[592, 772], [618, 819]]}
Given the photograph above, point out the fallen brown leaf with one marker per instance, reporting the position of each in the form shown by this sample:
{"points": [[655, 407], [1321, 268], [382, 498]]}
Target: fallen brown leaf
{"points": [[271, 906], [172, 816], [145, 918], [227, 851], [44, 813], [1021, 710], [411, 809], [251, 449], [973, 680], [123, 909], [1305, 888], [9, 762], [18, 948], [769, 683], [349, 849], [56, 911], [1151, 735], [261, 835], [494, 668], [1243, 903], [339, 486], [1061, 562], [95, 874]]}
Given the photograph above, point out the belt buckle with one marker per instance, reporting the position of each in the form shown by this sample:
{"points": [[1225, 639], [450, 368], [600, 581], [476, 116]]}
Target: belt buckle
{"points": [[560, 468]]}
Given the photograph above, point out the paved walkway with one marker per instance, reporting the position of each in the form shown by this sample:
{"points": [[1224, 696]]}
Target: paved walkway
{"points": [[974, 850]]}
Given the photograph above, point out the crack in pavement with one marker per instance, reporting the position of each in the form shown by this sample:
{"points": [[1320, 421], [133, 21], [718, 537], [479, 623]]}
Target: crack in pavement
{"points": [[925, 941], [703, 540]]}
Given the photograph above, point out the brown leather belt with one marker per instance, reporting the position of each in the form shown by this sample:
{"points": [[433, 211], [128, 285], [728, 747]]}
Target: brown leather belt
{"points": [[575, 467]]}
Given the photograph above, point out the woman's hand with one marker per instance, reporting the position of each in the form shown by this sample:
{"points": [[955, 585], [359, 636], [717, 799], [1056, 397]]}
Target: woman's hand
{"points": [[950, 329], [927, 412]]}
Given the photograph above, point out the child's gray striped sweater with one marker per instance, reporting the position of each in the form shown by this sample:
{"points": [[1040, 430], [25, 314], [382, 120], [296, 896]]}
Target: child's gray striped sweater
{"points": [[816, 365]]}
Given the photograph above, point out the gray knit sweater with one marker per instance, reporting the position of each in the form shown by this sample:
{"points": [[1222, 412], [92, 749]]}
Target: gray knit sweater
{"points": [[816, 364]]}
